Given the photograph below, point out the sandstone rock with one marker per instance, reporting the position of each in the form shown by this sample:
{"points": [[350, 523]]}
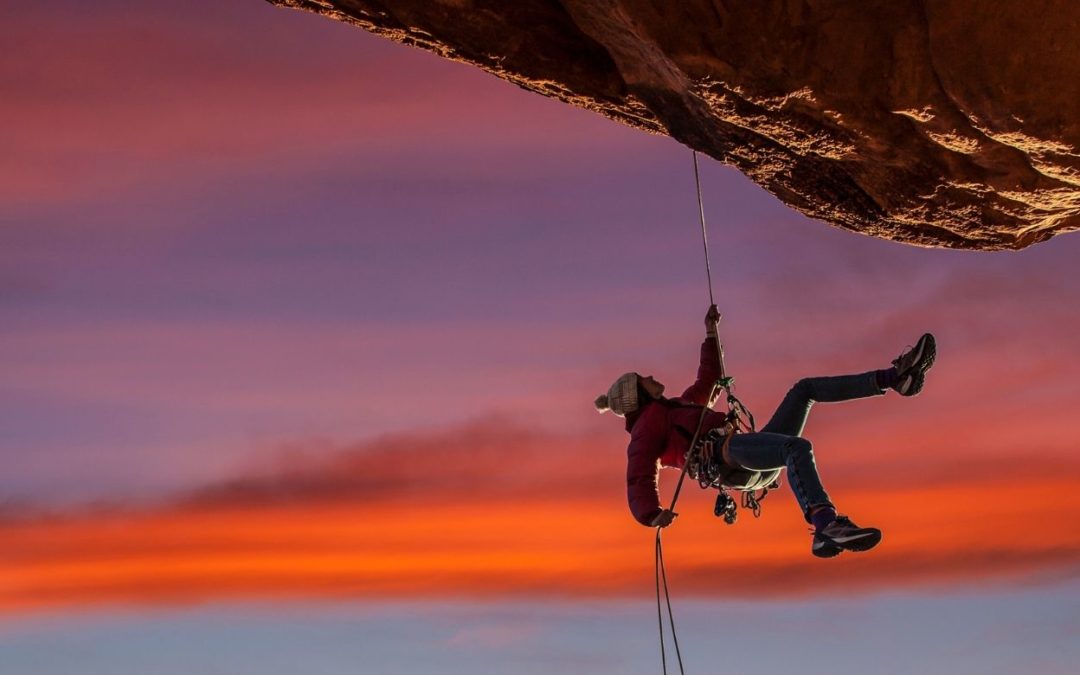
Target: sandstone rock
{"points": [[951, 123]]}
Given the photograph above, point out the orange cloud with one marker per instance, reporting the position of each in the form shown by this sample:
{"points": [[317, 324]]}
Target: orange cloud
{"points": [[491, 510]]}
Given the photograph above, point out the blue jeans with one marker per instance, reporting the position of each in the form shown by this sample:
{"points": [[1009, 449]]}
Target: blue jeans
{"points": [[780, 444]]}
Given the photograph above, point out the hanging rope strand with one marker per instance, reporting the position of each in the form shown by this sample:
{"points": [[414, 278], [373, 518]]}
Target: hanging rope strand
{"points": [[657, 558], [661, 574], [704, 234], [708, 270]]}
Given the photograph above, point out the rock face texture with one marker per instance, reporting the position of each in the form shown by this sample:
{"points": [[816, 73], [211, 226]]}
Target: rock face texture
{"points": [[952, 123]]}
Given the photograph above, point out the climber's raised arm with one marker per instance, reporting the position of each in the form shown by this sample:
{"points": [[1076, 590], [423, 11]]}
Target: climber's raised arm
{"points": [[709, 367]]}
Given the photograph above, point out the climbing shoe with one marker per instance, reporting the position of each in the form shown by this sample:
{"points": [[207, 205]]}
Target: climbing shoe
{"points": [[843, 535], [911, 366]]}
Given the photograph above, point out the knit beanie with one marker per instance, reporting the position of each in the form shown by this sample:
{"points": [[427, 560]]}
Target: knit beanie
{"points": [[621, 398]]}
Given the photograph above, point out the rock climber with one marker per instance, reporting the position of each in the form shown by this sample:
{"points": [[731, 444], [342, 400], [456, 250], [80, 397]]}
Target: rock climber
{"points": [[661, 430]]}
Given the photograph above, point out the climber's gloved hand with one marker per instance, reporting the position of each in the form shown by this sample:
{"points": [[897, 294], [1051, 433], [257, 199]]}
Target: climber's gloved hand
{"points": [[712, 317], [664, 518]]}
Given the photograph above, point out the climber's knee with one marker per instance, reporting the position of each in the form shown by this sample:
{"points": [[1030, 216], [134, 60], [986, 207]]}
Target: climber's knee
{"points": [[798, 445], [804, 388]]}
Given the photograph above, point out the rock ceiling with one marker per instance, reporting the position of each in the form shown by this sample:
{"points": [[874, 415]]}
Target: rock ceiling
{"points": [[953, 123]]}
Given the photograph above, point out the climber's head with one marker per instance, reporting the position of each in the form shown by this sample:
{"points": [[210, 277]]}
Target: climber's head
{"points": [[628, 393]]}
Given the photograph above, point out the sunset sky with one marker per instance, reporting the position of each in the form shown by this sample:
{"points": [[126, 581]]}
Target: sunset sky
{"points": [[299, 335]]}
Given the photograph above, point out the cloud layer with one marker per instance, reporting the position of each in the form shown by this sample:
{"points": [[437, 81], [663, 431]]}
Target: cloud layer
{"points": [[494, 510]]}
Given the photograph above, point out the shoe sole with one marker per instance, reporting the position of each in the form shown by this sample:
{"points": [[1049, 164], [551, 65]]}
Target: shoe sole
{"points": [[926, 348], [926, 361], [864, 543], [918, 369], [827, 551]]}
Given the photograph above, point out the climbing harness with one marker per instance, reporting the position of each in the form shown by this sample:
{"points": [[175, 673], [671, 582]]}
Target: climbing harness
{"points": [[707, 459]]}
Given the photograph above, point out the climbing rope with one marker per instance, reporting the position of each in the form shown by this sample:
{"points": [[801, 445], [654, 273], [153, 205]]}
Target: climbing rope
{"points": [[704, 237], [661, 575], [737, 418]]}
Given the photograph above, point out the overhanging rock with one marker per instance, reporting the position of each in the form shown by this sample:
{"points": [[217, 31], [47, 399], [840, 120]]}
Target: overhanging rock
{"points": [[951, 123]]}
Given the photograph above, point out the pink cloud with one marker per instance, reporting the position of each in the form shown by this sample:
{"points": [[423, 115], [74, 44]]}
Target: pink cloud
{"points": [[126, 100]]}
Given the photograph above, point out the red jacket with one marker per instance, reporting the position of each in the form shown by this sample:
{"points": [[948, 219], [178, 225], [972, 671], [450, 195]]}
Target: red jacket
{"points": [[660, 435]]}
